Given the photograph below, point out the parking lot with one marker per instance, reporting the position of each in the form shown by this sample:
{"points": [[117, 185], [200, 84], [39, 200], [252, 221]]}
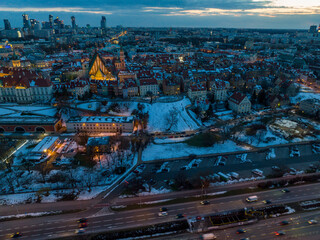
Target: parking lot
{"points": [[289, 159]]}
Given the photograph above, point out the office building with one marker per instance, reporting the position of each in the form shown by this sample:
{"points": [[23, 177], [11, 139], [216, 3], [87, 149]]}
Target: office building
{"points": [[26, 23], [103, 22], [73, 22], [7, 25]]}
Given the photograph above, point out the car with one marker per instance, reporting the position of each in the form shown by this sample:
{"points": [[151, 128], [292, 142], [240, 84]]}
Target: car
{"points": [[162, 214], [312, 221], [205, 202], [163, 209], [241, 231], [198, 218], [284, 223], [285, 190], [82, 220], [79, 231], [275, 168], [266, 201], [279, 233], [16, 235], [180, 215], [83, 225]]}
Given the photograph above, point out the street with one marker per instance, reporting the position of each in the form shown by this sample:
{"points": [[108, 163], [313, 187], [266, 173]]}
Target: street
{"points": [[101, 219]]}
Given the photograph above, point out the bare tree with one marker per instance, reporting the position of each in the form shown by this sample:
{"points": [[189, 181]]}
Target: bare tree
{"points": [[171, 119]]}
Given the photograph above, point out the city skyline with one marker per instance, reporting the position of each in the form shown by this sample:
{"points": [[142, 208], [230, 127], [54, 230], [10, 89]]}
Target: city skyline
{"points": [[180, 13]]}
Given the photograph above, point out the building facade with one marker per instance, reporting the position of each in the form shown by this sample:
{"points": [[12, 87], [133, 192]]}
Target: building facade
{"points": [[239, 103], [100, 124]]}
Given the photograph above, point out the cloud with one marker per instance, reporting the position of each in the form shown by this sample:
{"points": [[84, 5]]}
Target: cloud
{"points": [[160, 11], [55, 9]]}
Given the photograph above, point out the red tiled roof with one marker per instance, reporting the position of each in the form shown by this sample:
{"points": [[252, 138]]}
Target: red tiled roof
{"points": [[237, 97]]}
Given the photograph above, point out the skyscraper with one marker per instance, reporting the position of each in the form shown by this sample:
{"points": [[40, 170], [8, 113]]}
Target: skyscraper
{"points": [[73, 22], [7, 25], [50, 21], [25, 19], [35, 25], [313, 29], [103, 22]]}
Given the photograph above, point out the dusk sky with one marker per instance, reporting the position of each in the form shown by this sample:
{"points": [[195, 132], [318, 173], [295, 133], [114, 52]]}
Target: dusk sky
{"points": [[170, 13]]}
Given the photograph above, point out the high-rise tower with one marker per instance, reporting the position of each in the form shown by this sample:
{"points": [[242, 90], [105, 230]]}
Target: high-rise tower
{"points": [[25, 19], [73, 22], [7, 25], [103, 23]]}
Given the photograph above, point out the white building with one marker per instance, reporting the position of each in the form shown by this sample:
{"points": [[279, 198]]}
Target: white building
{"points": [[100, 124], [148, 85], [239, 103], [197, 91], [24, 86], [219, 89]]}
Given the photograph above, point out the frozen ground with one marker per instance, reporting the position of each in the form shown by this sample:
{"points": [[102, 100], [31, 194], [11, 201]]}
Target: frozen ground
{"points": [[157, 151]]}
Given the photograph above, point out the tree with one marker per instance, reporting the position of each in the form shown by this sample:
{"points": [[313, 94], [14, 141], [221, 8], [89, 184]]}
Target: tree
{"points": [[254, 97], [26, 164], [209, 112], [171, 119], [262, 97]]}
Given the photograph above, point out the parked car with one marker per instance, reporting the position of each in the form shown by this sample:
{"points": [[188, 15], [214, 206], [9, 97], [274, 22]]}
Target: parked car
{"points": [[294, 152]]}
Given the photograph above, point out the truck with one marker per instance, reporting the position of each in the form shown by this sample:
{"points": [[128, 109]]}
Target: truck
{"points": [[252, 199], [208, 236]]}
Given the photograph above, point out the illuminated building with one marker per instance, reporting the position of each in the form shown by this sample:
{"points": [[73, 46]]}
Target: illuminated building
{"points": [[100, 124], [24, 86], [98, 69]]}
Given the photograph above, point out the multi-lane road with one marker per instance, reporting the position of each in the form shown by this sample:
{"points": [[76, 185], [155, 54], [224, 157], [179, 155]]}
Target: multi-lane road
{"points": [[297, 229], [102, 219]]}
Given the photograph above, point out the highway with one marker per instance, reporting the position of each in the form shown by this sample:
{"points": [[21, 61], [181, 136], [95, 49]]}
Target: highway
{"points": [[102, 219], [298, 228]]}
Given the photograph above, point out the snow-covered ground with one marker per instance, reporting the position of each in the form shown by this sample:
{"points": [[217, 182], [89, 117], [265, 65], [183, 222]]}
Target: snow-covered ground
{"points": [[303, 96], [170, 140], [158, 112], [157, 151], [91, 106], [267, 139]]}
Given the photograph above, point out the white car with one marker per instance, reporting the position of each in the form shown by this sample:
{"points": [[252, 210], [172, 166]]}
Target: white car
{"points": [[162, 214], [312, 221], [79, 231], [294, 152]]}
